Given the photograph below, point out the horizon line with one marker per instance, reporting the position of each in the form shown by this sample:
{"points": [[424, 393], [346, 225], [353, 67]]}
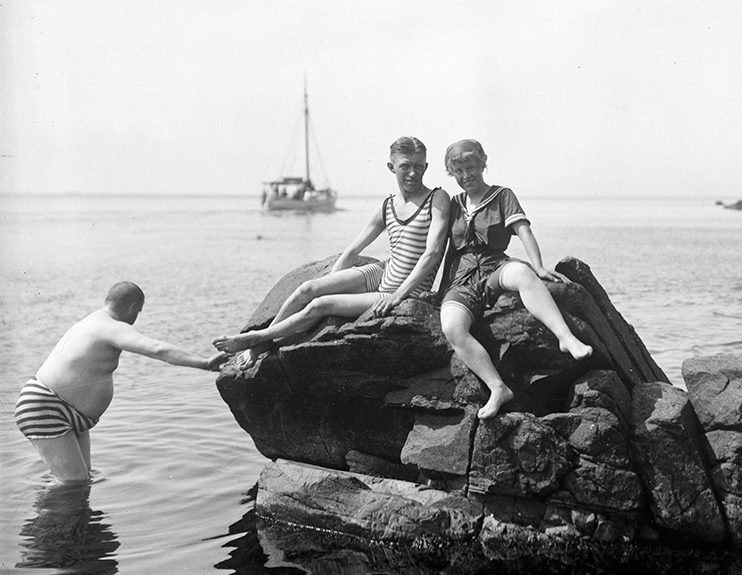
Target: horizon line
{"points": [[605, 195]]}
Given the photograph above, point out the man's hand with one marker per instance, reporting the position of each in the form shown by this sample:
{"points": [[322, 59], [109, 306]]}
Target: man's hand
{"points": [[552, 276], [215, 362]]}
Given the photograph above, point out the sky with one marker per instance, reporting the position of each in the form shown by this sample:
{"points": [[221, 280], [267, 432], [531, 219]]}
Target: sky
{"points": [[574, 97]]}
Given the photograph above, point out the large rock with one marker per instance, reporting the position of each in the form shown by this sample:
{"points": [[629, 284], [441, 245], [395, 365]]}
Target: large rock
{"points": [[441, 443], [638, 365], [604, 480], [724, 452], [374, 409], [715, 387], [604, 477], [666, 443], [518, 455], [364, 386], [340, 501]]}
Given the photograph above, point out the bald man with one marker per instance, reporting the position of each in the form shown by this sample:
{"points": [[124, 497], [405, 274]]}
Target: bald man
{"points": [[74, 386]]}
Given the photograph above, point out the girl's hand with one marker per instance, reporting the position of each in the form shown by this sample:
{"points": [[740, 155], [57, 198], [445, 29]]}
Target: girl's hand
{"points": [[552, 276]]}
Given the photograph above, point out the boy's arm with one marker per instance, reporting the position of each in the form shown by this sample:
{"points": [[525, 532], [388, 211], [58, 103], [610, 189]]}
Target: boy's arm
{"points": [[446, 267], [125, 337], [370, 232], [523, 230], [435, 245]]}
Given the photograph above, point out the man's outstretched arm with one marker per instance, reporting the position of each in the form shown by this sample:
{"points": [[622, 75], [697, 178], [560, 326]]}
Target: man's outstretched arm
{"points": [[127, 338]]}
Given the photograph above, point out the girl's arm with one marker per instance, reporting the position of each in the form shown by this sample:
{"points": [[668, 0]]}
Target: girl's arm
{"points": [[523, 230]]}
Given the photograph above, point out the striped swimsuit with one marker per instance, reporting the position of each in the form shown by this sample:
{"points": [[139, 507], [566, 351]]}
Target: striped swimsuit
{"points": [[42, 414], [407, 242]]}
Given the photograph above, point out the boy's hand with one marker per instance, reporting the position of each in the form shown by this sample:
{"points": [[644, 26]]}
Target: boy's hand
{"points": [[384, 306]]}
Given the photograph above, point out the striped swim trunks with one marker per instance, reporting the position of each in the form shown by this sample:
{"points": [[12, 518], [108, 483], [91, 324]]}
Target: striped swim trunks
{"points": [[373, 274], [42, 414]]}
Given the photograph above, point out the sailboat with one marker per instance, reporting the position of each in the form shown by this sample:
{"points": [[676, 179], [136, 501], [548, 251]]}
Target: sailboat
{"points": [[298, 193]]}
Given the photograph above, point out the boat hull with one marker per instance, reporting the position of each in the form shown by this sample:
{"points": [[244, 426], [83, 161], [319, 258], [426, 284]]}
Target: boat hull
{"points": [[308, 205], [298, 194]]}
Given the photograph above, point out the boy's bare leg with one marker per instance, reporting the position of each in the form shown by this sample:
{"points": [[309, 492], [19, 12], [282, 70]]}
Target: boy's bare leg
{"points": [[342, 282], [65, 457], [456, 323], [348, 305], [235, 343], [536, 298], [350, 281]]}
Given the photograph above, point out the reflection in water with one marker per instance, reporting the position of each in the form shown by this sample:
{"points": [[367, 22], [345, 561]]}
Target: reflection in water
{"points": [[270, 549], [247, 556], [263, 548], [67, 534]]}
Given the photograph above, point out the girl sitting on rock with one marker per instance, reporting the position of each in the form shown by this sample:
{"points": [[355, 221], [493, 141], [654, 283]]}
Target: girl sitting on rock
{"points": [[477, 271]]}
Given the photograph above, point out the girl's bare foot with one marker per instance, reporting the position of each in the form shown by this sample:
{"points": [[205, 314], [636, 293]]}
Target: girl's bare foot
{"points": [[575, 347], [499, 396]]}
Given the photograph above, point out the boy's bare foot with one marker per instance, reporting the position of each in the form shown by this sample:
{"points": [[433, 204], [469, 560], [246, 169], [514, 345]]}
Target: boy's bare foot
{"points": [[233, 344], [499, 396], [250, 357], [575, 348]]}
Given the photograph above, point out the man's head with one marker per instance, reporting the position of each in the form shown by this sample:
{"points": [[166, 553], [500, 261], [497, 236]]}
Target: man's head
{"points": [[408, 162], [125, 300]]}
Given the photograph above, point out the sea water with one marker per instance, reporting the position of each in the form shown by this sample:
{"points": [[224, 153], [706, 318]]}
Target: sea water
{"points": [[172, 468]]}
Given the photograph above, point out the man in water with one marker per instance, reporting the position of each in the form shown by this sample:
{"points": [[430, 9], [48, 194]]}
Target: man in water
{"points": [[74, 386]]}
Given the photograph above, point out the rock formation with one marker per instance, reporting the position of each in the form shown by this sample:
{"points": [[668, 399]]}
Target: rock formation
{"points": [[372, 429]]}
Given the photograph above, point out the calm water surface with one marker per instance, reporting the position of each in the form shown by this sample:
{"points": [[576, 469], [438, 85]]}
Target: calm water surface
{"points": [[172, 467]]}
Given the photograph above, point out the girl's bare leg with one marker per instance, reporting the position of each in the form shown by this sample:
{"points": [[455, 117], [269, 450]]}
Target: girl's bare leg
{"points": [[456, 322], [516, 276]]}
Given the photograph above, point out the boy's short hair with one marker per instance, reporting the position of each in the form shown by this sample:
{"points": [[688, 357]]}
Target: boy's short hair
{"points": [[461, 151], [406, 145]]}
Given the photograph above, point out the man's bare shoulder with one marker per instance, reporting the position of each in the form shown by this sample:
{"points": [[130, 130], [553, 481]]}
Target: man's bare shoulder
{"points": [[106, 328], [97, 318]]}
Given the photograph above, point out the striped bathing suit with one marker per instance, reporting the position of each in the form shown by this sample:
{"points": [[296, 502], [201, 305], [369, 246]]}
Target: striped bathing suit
{"points": [[42, 414], [407, 241]]}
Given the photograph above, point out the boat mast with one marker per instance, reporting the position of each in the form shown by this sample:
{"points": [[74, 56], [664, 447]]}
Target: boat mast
{"points": [[306, 134]]}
